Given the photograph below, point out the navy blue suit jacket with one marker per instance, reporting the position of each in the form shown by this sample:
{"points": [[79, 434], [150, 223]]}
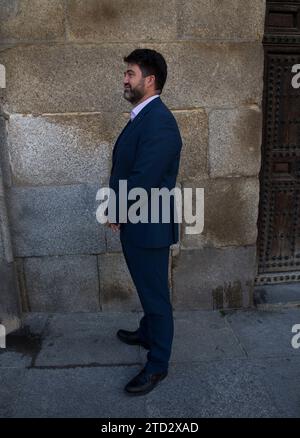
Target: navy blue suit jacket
{"points": [[147, 155]]}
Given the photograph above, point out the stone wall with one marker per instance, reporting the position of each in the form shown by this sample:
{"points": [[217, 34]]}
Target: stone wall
{"points": [[65, 107]]}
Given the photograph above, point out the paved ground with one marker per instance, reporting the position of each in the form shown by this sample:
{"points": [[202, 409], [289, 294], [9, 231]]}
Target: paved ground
{"points": [[232, 364]]}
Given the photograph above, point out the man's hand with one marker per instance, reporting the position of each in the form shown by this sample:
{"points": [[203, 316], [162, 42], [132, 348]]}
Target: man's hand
{"points": [[114, 227]]}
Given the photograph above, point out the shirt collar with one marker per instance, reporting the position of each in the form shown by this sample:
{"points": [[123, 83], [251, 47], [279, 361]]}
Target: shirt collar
{"points": [[138, 108]]}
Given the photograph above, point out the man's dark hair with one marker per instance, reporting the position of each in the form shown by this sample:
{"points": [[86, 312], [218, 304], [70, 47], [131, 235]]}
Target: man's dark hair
{"points": [[150, 63]]}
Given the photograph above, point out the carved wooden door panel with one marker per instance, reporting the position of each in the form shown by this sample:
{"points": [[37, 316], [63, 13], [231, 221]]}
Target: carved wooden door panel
{"points": [[279, 209]]}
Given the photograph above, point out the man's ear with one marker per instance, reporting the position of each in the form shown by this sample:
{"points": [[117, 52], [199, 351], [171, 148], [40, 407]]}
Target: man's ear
{"points": [[151, 81]]}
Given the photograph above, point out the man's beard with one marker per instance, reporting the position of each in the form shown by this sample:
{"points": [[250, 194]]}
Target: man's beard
{"points": [[133, 95]]}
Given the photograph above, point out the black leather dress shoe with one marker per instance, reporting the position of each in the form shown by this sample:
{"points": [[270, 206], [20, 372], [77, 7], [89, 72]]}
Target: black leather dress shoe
{"points": [[144, 382], [132, 338]]}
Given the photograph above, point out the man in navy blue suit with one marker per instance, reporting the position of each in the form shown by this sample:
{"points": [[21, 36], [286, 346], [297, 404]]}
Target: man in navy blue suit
{"points": [[147, 156]]}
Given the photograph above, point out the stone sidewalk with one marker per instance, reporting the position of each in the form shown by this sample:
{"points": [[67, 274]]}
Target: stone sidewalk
{"points": [[223, 364]]}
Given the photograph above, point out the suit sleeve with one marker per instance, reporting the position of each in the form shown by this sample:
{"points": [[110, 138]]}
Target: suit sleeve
{"points": [[159, 146]]}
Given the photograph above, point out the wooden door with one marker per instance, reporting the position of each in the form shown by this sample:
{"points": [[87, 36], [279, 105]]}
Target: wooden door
{"points": [[279, 209]]}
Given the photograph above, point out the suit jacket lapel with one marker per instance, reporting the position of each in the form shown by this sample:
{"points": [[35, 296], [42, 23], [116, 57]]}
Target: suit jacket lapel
{"points": [[131, 125], [155, 102]]}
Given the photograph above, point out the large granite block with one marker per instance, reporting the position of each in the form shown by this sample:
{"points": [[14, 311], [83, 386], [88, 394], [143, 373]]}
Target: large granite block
{"points": [[62, 284], [235, 142], [86, 77], [214, 278], [55, 220], [120, 20], [230, 213], [32, 20], [63, 149], [221, 20]]}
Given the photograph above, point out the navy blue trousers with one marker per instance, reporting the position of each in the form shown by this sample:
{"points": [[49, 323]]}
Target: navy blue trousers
{"points": [[148, 268]]}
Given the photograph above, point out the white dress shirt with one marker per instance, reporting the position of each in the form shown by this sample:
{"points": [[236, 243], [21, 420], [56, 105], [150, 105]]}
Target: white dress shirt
{"points": [[140, 106]]}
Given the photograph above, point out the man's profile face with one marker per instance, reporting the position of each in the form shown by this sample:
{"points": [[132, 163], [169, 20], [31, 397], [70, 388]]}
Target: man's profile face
{"points": [[134, 84]]}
